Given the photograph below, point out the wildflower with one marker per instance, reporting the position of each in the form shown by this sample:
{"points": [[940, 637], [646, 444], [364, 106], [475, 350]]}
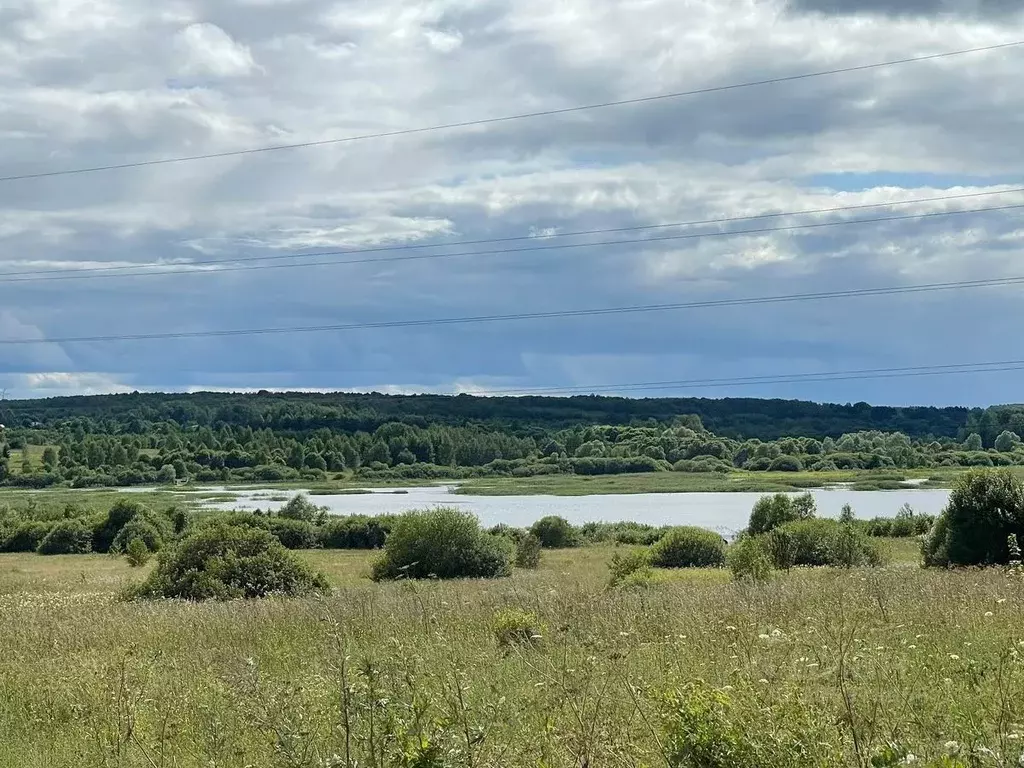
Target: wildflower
{"points": [[952, 747], [1000, 601], [988, 613], [731, 628], [909, 759], [763, 681], [911, 647], [776, 633], [763, 636], [954, 657]]}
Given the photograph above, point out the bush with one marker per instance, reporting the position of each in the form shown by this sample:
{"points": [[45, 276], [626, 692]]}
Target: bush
{"points": [[223, 562], [443, 543], [138, 528], [515, 627], [301, 508], [688, 547], [702, 729], [555, 533], [984, 509], [68, 537], [355, 532], [295, 534], [821, 542], [626, 564], [748, 559], [786, 464], [770, 512], [119, 515], [136, 553], [527, 551], [26, 536], [626, 532]]}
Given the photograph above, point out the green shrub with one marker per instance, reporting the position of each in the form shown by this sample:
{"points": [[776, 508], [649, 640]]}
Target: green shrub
{"points": [[624, 564], [781, 547], [626, 532], [822, 542], [515, 627], [935, 544], [748, 559], [301, 508], [355, 532], [68, 537], [527, 551], [26, 536], [224, 562], [770, 512], [105, 535], [786, 464], [139, 528], [688, 547], [294, 534], [443, 543], [555, 532], [984, 509], [702, 729], [850, 547], [136, 553]]}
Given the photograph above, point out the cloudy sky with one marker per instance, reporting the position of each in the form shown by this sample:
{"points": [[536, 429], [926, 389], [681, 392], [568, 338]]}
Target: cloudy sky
{"points": [[87, 83]]}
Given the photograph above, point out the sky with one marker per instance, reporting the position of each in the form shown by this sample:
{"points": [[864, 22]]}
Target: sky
{"points": [[87, 83]]}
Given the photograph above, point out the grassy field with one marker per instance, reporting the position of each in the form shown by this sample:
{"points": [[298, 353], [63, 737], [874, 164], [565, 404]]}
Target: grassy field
{"points": [[819, 668]]}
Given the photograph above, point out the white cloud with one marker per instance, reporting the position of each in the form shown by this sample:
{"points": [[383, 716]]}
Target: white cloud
{"points": [[209, 50], [102, 82]]}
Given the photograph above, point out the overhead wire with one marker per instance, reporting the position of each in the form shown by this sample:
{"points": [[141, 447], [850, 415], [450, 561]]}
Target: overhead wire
{"points": [[518, 316], [507, 118], [794, 378], [86, 274]]}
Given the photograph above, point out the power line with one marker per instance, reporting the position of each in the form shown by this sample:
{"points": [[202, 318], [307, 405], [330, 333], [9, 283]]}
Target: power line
{"points": [[29, 277], [795, 378], [602, 311], [508, 118]]}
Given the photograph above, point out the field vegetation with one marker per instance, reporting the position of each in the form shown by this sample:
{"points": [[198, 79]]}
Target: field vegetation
{"points": [[136, 634]]}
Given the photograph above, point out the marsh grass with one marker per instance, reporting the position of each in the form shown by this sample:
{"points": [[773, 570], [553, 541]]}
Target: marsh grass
{"points": [[836, 666]]}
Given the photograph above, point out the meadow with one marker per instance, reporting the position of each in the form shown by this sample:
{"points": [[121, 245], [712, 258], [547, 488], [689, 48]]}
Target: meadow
{"points": [[553, 668]]}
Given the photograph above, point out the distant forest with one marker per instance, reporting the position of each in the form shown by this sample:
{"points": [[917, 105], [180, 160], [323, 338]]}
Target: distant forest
{"points": [[737, 418], [140, 438]]}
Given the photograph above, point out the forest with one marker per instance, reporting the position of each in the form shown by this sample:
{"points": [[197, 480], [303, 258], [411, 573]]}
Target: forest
{"points": [[134, 439]]}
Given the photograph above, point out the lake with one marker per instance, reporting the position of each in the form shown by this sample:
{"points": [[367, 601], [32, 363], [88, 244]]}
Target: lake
{"points": [[726, 513]]}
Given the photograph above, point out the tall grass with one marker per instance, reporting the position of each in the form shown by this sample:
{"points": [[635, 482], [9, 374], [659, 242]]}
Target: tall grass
{"points": [[844, 664]]}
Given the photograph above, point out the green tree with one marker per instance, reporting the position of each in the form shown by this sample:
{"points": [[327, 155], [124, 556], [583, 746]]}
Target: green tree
{"points": [[973, 442], [50, 458], [166, 475], [1007, 441]]}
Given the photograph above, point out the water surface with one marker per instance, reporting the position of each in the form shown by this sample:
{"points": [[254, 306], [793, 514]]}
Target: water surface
{"points": [[724, 512]]}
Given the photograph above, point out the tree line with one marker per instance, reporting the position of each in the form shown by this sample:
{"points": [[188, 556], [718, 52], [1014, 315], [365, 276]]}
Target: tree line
{"points": [[110, 448]]}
